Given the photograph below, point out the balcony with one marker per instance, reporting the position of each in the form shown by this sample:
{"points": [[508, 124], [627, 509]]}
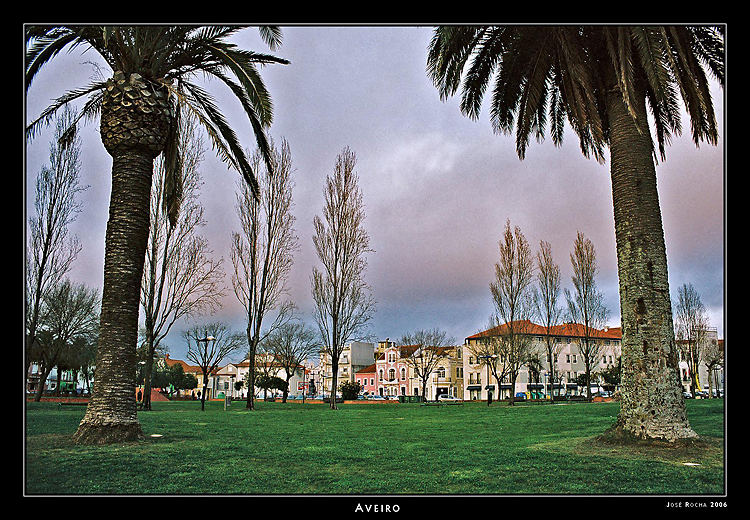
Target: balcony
{"points": [[438, 379]]}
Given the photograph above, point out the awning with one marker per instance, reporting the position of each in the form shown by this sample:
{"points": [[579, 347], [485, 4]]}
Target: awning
{"points": [[474, 387]]}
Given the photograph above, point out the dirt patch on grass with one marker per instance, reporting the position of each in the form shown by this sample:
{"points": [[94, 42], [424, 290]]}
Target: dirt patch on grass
{"points": [[704, 451], [707, 451]]}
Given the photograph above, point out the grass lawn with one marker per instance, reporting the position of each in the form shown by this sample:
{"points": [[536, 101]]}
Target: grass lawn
{"points": [[371, 449]]}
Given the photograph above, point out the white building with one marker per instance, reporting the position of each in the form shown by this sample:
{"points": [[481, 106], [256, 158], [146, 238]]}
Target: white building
{"points": [[568, 362]]}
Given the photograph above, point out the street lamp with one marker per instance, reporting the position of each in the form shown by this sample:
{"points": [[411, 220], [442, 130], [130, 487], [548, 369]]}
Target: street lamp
{"points": [[205, 356], [487, 386]]}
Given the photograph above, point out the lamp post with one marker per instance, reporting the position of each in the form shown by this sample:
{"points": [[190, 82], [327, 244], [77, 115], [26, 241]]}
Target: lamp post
{"points": [[487, 386], [205, 341]]}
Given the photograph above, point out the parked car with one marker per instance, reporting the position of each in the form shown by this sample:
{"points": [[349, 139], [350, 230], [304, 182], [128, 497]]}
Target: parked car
{"points": [[446, 397], [520, 395], [687, 395], [378, 398]]}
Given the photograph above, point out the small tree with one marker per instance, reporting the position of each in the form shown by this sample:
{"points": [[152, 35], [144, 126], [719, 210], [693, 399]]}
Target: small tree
{"points": [[343, 300], [546, 298], [262, 251], [71, 311], [208, 346], [586, 303], [432, 348], [180, 278], [713, 357], [50, 251], [691, 322], [511, 296], [290, 345], [611, 375], [350, 389]]}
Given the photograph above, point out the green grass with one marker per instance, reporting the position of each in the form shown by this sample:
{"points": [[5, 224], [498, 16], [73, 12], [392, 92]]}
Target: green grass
{"points": [[370, 449]]}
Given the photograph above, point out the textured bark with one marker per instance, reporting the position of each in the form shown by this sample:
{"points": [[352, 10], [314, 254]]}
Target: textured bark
{"points": [[134, 124], [652, 406]]}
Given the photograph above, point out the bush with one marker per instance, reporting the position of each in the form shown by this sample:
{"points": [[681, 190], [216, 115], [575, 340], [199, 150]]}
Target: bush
{"points": [[350, 389]]}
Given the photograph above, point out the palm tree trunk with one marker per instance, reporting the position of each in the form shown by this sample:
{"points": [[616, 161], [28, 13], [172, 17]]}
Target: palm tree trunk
{"points": [[135, 121], [652, 405], [111, 414]]}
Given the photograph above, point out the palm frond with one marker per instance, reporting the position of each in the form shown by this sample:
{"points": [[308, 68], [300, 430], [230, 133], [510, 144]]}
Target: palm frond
{"points": [[42, 50], [271, 34], [46, 116], [222, 135]]}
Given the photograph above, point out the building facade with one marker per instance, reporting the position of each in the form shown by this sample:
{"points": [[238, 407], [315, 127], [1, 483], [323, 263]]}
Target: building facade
{"points": [[354, 357], [535, 377]]}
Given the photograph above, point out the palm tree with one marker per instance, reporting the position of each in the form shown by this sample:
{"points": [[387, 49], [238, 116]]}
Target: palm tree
{"points": [[602, 79], [139, 108]]}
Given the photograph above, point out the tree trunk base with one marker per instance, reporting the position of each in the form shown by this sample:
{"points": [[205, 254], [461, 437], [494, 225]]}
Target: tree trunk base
{"points": [[99, 434], [677, 434]]}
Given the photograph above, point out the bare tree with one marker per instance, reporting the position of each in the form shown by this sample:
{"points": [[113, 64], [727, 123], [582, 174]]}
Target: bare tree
{"points": [[546, 296], [71, 311], [511, 295], [50, 250], [586, 303], [691, 322], [431, 348], [208, 346], [487, 349], [343, 300], [262, 253], [291, 344], [180, 277]]}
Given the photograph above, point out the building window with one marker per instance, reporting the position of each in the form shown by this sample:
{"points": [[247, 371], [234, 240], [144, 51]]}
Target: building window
{"points": [[441, 372], [567, 358], [381, 374], [391, 374], [403, 374], [372, 381]]}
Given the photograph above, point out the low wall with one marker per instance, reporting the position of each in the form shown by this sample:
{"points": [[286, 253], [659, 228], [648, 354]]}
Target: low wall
{"points": [[60, 400]]}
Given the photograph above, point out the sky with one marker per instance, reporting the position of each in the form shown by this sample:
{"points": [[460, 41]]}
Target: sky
{"points": [[437, 186]]}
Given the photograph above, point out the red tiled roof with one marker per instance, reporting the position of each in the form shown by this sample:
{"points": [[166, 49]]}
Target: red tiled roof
{"points": [[566, 329], [185, 367], [367, 370]]}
